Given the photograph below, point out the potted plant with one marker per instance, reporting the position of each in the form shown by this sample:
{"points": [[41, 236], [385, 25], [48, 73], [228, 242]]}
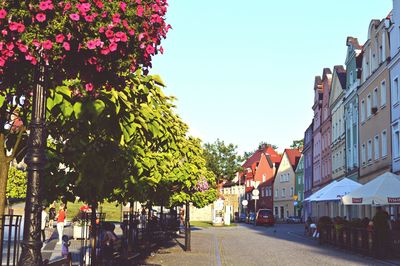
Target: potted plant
{"points": [[80, 226]]}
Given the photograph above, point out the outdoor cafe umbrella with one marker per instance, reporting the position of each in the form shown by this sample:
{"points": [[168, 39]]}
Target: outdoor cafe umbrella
{"points": [[320, 192], [338, 190], [383, 190]]}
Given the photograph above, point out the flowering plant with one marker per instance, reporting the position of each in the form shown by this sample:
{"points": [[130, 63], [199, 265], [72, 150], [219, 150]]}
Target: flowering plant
{"points": [[95, 40], [202, 184]]}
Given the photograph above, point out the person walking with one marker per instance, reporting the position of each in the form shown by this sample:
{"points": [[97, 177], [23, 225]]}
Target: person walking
{"points": [[43, 224], [52, 214], [60, 222]]}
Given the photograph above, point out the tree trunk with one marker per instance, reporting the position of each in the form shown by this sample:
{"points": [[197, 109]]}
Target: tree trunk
{"points": [[187, 229], [93, 234], [4, 166]]}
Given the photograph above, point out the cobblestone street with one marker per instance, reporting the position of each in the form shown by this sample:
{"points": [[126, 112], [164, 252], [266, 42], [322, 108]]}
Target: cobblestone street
{"points": [[250, 245]]}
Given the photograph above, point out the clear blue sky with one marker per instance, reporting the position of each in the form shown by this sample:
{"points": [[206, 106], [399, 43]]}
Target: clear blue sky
{"points": [[243, 71]]}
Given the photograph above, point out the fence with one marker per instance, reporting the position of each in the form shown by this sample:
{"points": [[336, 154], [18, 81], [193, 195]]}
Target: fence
{"points": [[10, 236], [360, 240]]}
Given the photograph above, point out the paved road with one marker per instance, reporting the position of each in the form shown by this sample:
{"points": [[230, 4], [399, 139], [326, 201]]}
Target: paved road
{"points": [[250, 245]]}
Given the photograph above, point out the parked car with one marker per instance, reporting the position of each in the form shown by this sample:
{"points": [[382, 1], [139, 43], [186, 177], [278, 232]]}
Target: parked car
{"points": [[293, 220], [242, 217], [250, 217], [265, 216]]}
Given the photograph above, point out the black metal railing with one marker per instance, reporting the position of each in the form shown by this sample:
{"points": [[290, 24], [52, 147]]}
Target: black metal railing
{"points": [[10, 237]]}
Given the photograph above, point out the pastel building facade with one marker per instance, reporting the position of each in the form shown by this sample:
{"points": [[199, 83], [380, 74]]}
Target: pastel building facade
{"points": [[374, 104], [338, 145], [317, 139], [326, 129], [308, 169]]}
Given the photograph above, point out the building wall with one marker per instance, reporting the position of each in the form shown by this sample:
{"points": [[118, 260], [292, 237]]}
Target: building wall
{"points": [[317, 145], [299, 187], [326, 131], [374, 106], [308, 168], [338, 144], [394, 68], [284, 187]]}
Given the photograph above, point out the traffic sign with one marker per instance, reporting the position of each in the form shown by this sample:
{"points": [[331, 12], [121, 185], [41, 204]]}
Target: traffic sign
{"points": [[254, 197], [255, 192], [245, 202]]}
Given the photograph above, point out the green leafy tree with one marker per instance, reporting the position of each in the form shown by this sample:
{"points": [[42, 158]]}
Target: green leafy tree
{"points": [[297, 144], [222, 159], [16, 186]]}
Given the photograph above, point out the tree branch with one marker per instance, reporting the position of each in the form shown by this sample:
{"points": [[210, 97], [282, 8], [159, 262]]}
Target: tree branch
{"points": [[17, 142]]}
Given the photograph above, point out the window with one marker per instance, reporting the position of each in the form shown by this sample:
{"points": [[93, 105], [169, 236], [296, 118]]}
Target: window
{"points": [[262, 192], [368, 105], [264, 178], [369, 150], [276, 193], [376, 147], [382, 48], [363, 153], [396, 141], [383, 93], [283, 192], [395, 90], [291, 192], [384, 143], [362, 111], [375, 98], [299, 180]]}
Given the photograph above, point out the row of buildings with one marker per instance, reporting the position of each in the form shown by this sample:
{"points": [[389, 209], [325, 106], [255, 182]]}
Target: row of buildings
{"points": [[355, 131]]}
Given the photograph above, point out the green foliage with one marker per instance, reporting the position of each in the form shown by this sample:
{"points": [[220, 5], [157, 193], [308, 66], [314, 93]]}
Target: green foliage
{"points": [[16, 185], [222, 159], [262, 144], [297, 144]]}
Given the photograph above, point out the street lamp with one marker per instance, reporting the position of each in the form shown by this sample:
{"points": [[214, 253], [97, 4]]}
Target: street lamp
{"points": [[35, 160]]}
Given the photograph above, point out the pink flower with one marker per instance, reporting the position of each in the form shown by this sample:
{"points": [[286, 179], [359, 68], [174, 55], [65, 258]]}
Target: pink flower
{"points": [[122, 36], [66, 46], [116, 18], [20, 27], [3, 13], [131, 32], [23, 48], [89, 18], [125, 23], [99, 4], [113, 46], [102, 29], [122, 5], [141, 36], [47, 45], [13, 26], [74, 17], [36, 43], [138, 2], [43, 5], [105, 51], [2, 62], [109, 34], [67, 6], [60, 38], [161, 49], [92, 60], [89, 87], [91, 44], [10, 46], [104, 14], [139, 11], [150, 49], [40, 17], [4, 32]]}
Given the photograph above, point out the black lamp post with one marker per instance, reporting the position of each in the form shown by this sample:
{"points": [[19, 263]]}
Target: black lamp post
{"points": [[35, 160]]}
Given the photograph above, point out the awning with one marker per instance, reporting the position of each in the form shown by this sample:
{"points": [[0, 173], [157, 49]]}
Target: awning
{"points": [[318, 193], [383, 190], [338, 190]]}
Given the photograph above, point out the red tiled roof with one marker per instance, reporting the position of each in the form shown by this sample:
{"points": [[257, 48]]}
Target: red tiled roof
{"points": [[275, 157], [294, 156]]}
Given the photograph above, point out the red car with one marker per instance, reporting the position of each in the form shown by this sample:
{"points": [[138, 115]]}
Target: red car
{"points": [[265, 216]]}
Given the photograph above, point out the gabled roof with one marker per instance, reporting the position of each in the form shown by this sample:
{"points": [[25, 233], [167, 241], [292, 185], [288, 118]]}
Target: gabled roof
{"points": [[293, 156], [353, 42], [274, 156], [341, 73]]}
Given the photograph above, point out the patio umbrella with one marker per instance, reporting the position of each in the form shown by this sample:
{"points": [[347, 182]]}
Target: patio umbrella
{"points": [[338, 190], [320, 192], [383, 190]]}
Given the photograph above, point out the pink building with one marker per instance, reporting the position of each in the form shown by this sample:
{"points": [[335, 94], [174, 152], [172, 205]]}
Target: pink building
{"points": [[326, 129], [317, 149]]}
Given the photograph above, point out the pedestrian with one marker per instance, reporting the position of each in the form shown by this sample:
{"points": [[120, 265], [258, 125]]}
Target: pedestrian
{"points": [[65, 246], [43, 224], [110, 243], [60, 222], [52, 214], [182, 219], [381, 225]]}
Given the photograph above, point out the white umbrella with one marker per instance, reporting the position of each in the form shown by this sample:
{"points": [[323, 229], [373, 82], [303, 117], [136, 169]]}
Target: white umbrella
{"points": [[338, 190], [320, 192], [383, 190]]}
